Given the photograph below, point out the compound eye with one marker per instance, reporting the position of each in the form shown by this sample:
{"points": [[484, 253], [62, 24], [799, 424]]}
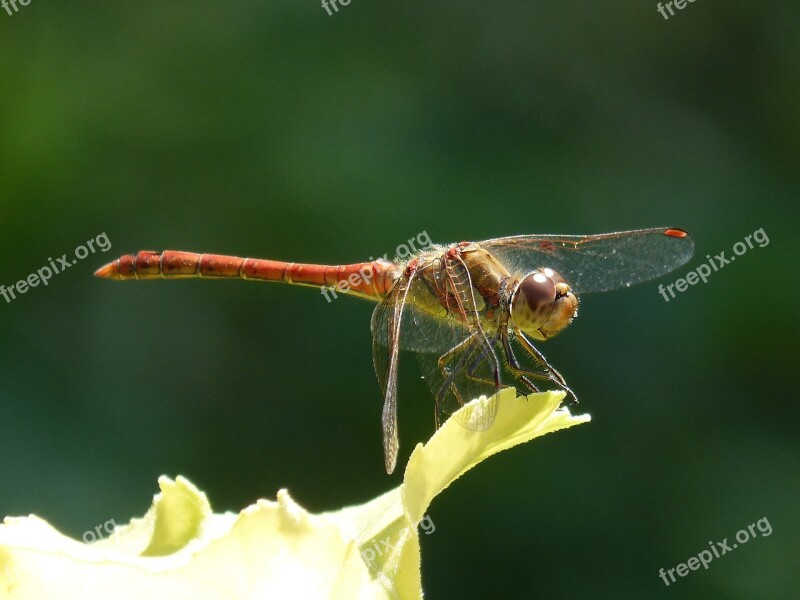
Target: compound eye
{"points": [[533, 301], [538, 290], [555, 276]]}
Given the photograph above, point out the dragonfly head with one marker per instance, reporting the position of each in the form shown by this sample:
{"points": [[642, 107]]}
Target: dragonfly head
{"points": [[543, 304]]}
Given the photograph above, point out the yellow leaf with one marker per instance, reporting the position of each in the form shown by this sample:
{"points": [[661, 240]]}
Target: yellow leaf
{"points": [[181, 549]]}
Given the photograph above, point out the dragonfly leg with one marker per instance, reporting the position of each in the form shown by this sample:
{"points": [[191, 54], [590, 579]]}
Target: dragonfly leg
{"points": [[468, 363], [553, 375], [473, 356], [448, 375], [487, 350], [514, 366], [469, 372], [460, 301]]}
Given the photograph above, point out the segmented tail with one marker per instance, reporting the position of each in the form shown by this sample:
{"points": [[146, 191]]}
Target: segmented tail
{"points": [[370, 279]]}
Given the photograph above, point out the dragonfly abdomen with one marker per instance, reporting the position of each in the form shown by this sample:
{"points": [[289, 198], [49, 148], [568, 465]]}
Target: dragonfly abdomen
{"points": [[370, 279]]}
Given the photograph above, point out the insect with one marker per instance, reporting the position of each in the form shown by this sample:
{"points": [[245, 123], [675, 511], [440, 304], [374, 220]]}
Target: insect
{"points": [[473, 312]]}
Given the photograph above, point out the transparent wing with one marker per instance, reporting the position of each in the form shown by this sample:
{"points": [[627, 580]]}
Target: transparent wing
{"points": [[597, 263], [386, 322], [463, 367], [441, 324], [433, 324], [466, 369]]}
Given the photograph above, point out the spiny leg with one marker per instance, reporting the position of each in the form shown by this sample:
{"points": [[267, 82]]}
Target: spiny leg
{"points": [[458, 286], [470, 372], [514, 366], [448, 374], [472, 356], [471, 359], [555, 376]]}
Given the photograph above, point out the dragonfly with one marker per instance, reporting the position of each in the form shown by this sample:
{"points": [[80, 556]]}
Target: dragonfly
{"points": [[474, 313]]}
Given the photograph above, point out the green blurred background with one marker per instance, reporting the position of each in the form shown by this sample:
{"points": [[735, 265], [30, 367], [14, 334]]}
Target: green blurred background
{"points": [[274, 130]]}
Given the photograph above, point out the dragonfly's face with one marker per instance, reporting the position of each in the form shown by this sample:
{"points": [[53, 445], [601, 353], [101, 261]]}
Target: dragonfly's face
{"points": [[543, 304]]}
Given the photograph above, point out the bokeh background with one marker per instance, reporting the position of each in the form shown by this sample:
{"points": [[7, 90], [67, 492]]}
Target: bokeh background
{"points": [[274, 130]]}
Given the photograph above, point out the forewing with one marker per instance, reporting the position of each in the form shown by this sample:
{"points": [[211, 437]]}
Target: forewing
{"points": [[597, 263]]}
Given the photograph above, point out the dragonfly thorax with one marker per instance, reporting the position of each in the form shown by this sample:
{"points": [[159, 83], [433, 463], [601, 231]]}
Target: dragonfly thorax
{"points": [[543, 304]]}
